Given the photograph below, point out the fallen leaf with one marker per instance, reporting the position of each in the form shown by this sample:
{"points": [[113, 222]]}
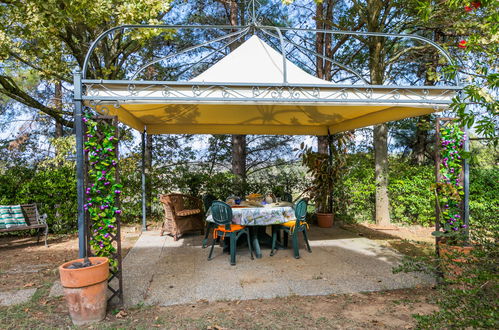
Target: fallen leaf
{"points": [[27, 285], [121, 314]]}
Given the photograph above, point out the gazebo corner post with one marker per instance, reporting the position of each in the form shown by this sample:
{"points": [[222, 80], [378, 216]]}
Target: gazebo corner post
{"points": [[80, 165], [466, 183], [143, 177]]}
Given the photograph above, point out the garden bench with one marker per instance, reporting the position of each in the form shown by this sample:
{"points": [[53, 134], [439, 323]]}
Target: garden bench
{"points": [[33, 220]]}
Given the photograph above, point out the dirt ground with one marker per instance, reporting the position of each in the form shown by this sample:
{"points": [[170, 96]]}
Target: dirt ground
{"points": [[26, 264]]}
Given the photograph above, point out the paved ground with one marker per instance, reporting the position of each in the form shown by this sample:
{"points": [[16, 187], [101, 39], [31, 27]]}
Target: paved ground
{"points": [[159, 271], [15, 297]]}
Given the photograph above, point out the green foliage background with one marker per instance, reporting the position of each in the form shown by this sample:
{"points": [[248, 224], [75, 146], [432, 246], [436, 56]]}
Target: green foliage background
{"points": [[411, 200]]}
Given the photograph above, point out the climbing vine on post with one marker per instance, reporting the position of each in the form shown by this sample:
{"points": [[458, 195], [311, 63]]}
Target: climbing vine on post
{"points": [[102, 195], [449, 187]]}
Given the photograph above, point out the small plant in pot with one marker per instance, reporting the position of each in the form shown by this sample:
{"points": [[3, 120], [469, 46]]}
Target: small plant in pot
{"points": [[326, 171], [453, 232]]}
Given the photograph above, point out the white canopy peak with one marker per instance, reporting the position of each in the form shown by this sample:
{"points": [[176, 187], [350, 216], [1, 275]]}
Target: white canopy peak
{"points": [[254, 61]]}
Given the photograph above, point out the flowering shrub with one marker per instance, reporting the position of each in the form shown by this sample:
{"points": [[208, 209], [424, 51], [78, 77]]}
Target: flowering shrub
{"points": [[102, 192], [450, 189]]}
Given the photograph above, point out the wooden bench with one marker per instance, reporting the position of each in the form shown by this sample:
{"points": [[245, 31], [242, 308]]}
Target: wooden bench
{"points": [[33, 221]]}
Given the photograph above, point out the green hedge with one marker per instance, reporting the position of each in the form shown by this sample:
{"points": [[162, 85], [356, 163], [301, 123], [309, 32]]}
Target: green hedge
{"points": [[53, 189], [411, 199]]}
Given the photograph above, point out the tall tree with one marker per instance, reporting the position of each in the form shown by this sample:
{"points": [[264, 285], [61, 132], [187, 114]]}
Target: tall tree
{"points": [[52, 38], [323, 46]]}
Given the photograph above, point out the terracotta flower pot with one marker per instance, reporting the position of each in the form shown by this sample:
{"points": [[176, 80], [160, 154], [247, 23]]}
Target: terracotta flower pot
{"points": [[452, 257], [85, 290], [325, 220]]}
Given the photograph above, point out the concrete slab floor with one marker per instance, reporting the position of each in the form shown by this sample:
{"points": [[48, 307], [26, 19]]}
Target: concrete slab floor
{"points": [[160, 271]]}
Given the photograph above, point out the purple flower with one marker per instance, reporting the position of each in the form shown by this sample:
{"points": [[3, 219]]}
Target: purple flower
{"points": [[455, 228], [103, 172], [102, 207], [85, 119], [107, 235], [100, 228], [118, 211], [117, 191], [110, 226], [464, 226], [107, 183]]}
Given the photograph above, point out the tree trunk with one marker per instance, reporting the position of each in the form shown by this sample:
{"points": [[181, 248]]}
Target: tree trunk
{"points": [[380, 134], [322, 144], [422, 132], [238, 141], [59, 132], [239, 163], [148, 169], [381, 173], [422, 126], [323, 43]]}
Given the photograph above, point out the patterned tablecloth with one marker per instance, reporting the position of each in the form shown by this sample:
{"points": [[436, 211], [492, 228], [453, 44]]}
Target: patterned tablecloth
{"points": [[260, 216]]}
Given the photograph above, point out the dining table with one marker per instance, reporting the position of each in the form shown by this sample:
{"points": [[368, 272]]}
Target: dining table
{"points": [[257, 218]]}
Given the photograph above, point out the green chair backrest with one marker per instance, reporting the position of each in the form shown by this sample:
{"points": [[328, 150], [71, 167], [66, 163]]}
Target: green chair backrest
{"points": [[221, 213], [301, 212], [286, 197], [207, 200]]}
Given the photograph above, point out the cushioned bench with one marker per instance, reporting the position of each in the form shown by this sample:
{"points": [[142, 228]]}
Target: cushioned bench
{"points": [[28, 220]]}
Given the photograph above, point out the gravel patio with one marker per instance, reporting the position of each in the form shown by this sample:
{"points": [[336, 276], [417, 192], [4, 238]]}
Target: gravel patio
{"points": [[160, 271]]}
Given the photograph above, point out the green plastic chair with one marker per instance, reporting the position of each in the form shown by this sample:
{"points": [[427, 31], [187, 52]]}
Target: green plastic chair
{"points": [[208, 199], [293, 228], [222, 216]]}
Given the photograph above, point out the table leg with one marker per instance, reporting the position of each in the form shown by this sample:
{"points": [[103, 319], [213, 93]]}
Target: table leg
{"points": [[255, 242]]}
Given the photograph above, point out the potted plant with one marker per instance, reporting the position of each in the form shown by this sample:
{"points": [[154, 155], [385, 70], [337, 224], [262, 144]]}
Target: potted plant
{"points": [[326, 171], [452, 236], [85, 288]]}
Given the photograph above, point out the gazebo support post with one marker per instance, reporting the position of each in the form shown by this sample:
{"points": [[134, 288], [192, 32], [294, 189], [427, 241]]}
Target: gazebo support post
{"points": [[466, 183], [143, 172], [80, 167]]}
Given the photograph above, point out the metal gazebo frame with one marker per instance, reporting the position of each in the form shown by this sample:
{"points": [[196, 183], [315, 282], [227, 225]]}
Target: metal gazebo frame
{"points": [[193, 92]]}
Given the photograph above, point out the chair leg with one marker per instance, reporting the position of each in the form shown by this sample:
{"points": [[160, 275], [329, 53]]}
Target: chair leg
{"points": [[295, 244], [249, 244], [306, 240], [274, 239], [285, 236], [38, 235], [206, 234], [233, 249], [211, 250], [46, 234]]}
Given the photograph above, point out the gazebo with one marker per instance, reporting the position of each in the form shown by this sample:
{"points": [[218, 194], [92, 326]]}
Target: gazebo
{"points": [[255, 89]]}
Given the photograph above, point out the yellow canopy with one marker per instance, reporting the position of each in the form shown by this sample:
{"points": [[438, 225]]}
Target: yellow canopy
{"points": [[247, 93]]}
